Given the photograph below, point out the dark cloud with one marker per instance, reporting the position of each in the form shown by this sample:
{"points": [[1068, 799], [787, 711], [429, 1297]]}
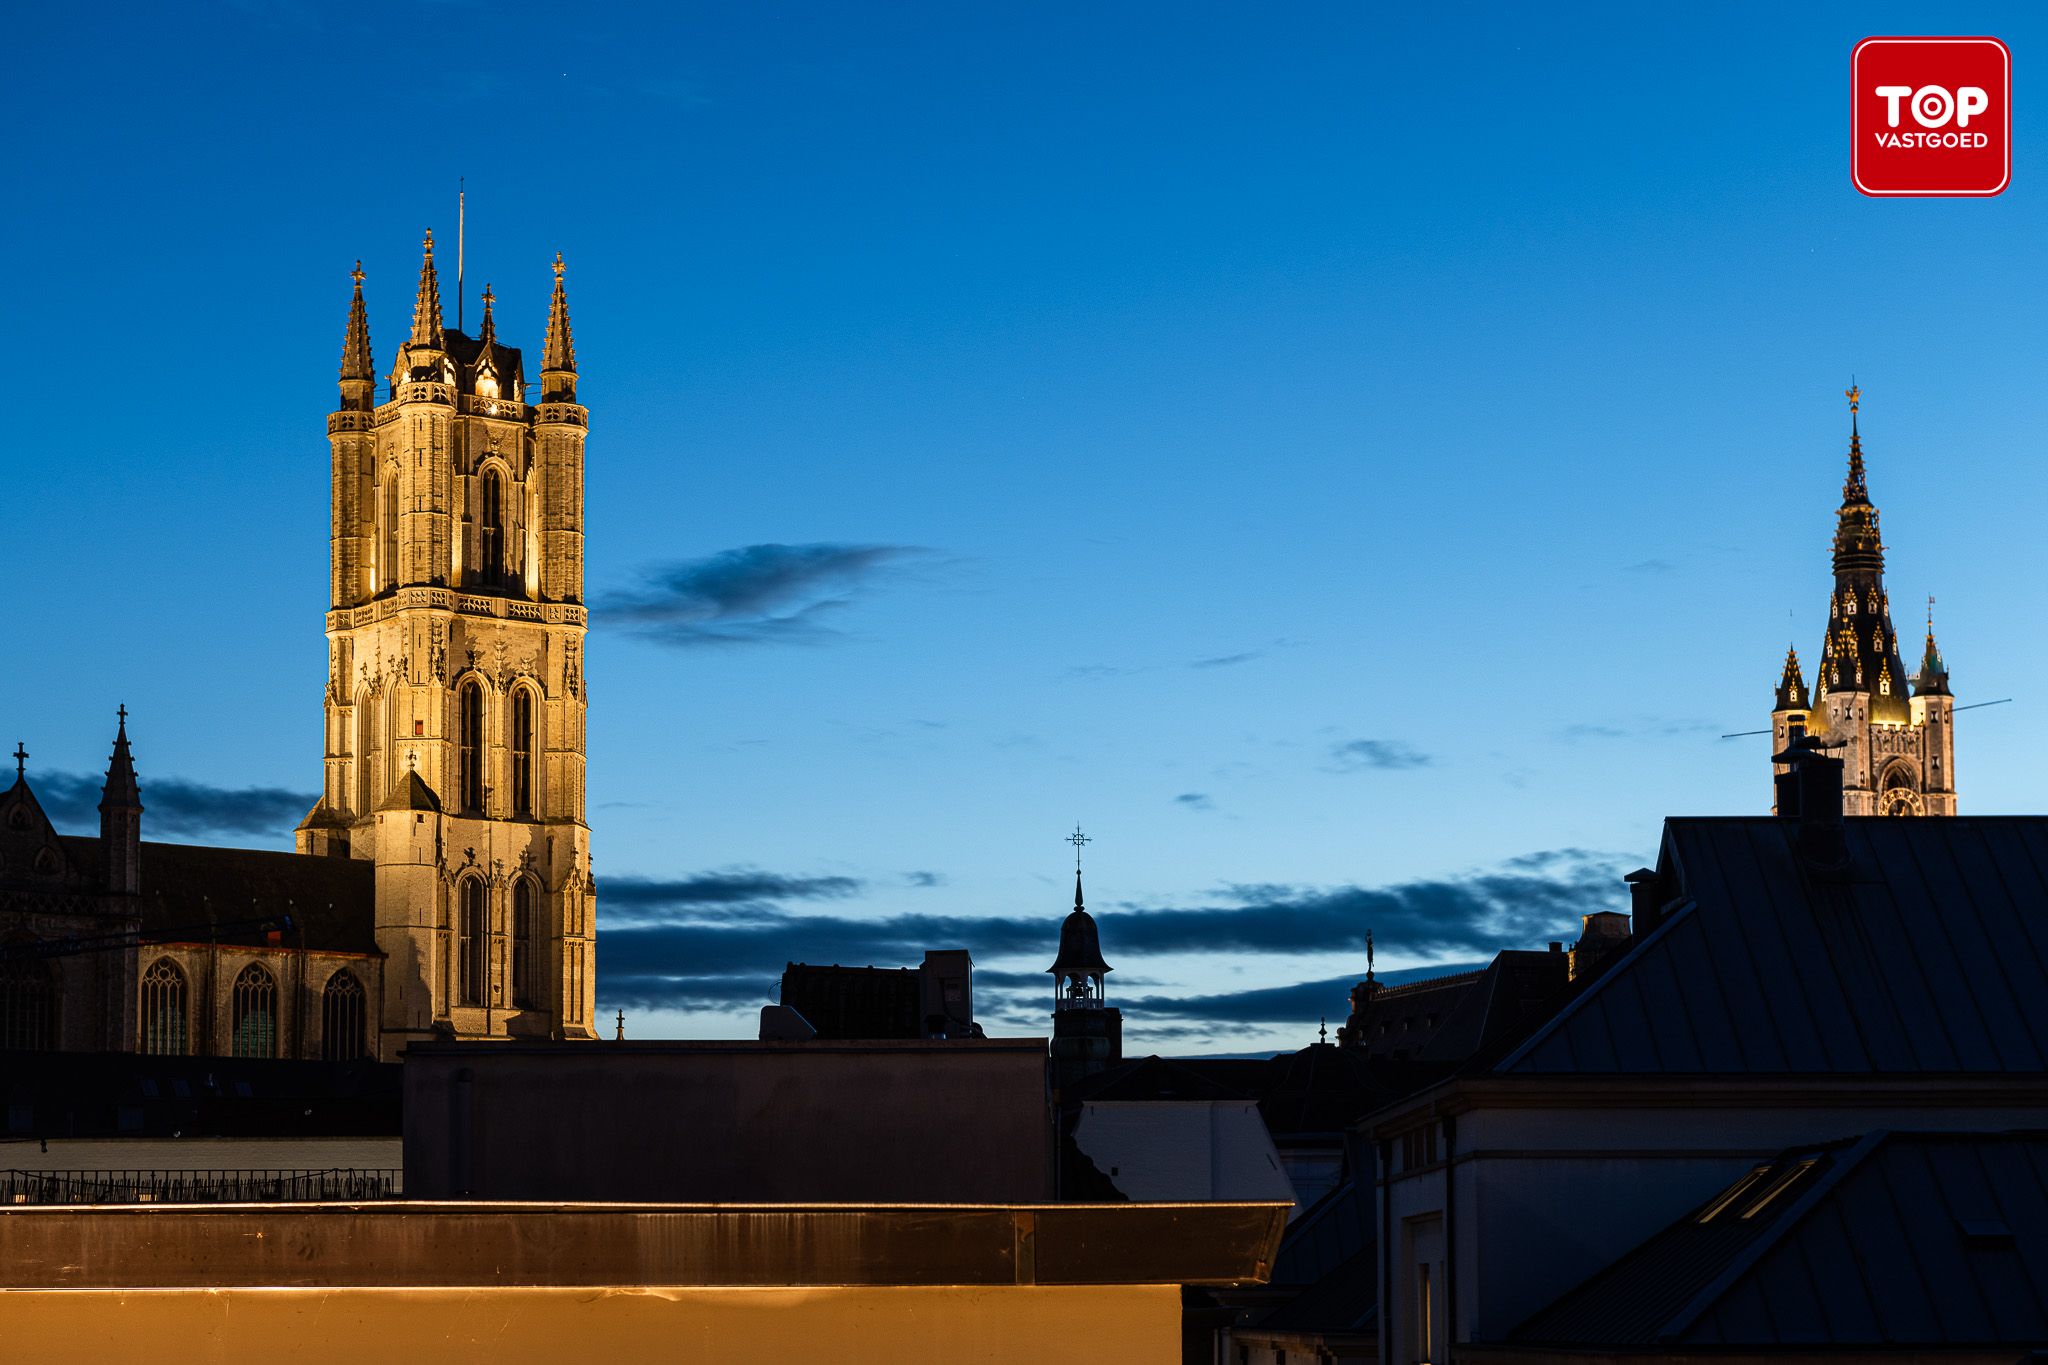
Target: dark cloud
{"points": [[923, 880], [176, 807], [1194, 801], [1225, 660], [669, 937], [755, 594], [1329, 998], [1385, 755]]}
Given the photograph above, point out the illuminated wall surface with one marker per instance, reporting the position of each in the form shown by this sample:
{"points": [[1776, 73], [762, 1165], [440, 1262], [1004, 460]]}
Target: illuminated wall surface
{"points": [[1129, 1324], [477, 1281]]}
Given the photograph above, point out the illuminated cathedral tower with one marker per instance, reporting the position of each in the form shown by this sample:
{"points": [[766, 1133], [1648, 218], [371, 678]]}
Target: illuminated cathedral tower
{"points": [[455, 703], [1897, 750]]}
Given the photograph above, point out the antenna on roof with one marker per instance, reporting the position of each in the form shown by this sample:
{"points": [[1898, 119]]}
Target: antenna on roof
{"points": [[461, 222]]}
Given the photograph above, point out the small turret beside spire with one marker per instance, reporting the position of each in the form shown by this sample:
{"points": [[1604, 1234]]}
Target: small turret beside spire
{"points": [[487, 331], [1932, 680], [558, 357], [121, 818], [358, 370], [426, 309], [1791, 684]]}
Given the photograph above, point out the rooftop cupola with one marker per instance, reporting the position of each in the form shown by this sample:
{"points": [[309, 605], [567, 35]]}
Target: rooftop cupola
{"points": [[358, 370], [558, 357]]}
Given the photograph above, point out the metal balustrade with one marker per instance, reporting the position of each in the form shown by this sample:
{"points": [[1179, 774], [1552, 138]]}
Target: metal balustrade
{"points": [[245, 1186]]}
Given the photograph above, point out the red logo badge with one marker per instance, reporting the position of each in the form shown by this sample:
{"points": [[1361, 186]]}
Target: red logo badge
{"points": [[1931, 116]]}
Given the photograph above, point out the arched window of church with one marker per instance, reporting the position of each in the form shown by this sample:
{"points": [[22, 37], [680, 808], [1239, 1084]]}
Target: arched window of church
{"points": [[522, 752], [491, 526], [470, 756], [522, 941], [387, 531], [470, 949], [28, 1004], [165, 1011], [342, 1018], [253, 1013], [366, 754]]}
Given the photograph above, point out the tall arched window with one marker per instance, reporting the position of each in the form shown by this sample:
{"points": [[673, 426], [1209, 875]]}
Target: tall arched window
{"points": [[366, 754], [522, 752], [491, 526], [471, 947], [164, 1010], [387, 531], [470, 702], [522, 941], [341, 1018], [28, 1005], [254, 1013]]}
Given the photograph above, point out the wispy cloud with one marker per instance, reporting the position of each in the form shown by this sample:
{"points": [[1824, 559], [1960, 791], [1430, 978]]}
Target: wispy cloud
{"points": [[1384, 755], [923, 880], [1641, 727], [176, 806], [1654, 567], [1194, 801], [755, 594], [683, 941], [1225, 660]]}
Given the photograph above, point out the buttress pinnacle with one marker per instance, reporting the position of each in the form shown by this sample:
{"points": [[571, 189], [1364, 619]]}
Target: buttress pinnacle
{"points": [[355, 347], [426, 309]]}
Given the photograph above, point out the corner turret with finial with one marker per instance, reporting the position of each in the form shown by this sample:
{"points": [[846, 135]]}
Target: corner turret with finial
{"points": [[558, 357], [358, 370]]}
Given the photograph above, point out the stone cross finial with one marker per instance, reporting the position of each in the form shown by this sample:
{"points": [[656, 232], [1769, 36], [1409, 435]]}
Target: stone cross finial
{"points": [[20, 760], [1853, 394], [558, 265], [488, 296], [430, 241], [621, 1037], [357, 273]]}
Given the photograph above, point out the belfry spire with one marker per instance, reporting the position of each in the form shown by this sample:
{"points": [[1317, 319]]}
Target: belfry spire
{"points": [[558, 356], [426, 309]]}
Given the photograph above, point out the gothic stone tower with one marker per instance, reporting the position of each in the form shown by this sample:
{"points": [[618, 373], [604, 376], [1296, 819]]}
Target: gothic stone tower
{"points": [[1898, 752], [455, 703]]}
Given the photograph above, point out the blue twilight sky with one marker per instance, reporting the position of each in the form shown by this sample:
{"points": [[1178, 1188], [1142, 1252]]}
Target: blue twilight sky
{"points": [[1354, 459]]}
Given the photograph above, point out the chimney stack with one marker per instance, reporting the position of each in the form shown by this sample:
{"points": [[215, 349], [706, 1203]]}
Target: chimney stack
{"points": [[1810, 792]]}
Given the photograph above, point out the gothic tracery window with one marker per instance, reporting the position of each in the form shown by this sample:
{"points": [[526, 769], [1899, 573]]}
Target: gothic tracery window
{"points": [[522, 752], [491, 527], [470, 948], [254, 1012], [366, 753], [164, 1010], [522, 941], [470, 756], [28, 1005], [342, 1017]]}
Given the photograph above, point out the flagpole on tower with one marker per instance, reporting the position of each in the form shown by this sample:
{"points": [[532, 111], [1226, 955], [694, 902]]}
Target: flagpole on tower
{"points": [[461, 223]]}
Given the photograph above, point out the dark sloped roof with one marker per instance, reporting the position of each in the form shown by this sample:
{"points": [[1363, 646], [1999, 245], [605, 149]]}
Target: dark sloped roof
{"points": [[1893, 1239], [1344, 1300], [185, 887], [1930, 956], [1328, 1233]]}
